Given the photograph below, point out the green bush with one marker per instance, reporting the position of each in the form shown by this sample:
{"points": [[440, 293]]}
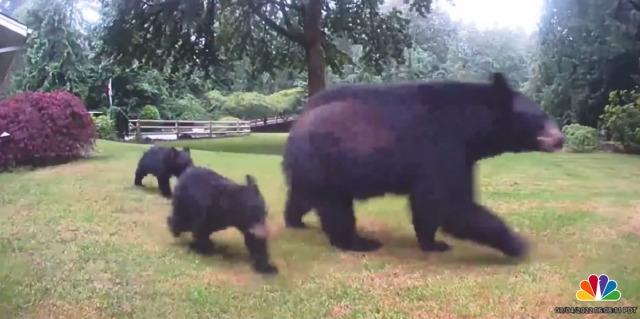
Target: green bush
{"points": [[621, 119], [105, 127], [189, 107], [253, 105], [248, 105], [580, 138], [214, 101], [149, 112], [286, 102]]}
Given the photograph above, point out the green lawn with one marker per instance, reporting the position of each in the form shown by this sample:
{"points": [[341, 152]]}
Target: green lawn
{"points": [[256, 143], [80, 241]]}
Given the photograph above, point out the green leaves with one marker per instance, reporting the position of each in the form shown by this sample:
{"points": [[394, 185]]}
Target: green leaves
{"points": [[56, 56]]}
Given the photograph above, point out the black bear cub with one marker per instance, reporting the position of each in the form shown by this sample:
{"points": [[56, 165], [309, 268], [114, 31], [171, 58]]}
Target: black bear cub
{"points": [[163, 162], [355, 142], [205, 202]]}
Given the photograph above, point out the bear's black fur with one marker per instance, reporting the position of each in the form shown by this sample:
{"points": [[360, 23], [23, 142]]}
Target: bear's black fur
{"points": [[205, 202], [355, 142], [163, 162]]}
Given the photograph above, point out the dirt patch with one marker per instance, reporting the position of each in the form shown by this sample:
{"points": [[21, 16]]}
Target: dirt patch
{"points": [[394, 277], [63, 310], [632, 225], [339, 311], [83, 167], [239, 277], [522, 206]]}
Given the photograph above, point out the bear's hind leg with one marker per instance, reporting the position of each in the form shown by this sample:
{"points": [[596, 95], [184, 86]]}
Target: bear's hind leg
{"points": [[339, 224], [482, 226], [140, 174], [295, 209], [164, 185]]}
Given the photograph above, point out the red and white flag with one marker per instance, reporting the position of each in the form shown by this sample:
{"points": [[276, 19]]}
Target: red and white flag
{"points": [[109, 93]]}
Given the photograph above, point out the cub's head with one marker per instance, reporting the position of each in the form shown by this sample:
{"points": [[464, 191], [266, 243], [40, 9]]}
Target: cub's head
{"points": [[178, 160], [253, 208], [522, 125]]}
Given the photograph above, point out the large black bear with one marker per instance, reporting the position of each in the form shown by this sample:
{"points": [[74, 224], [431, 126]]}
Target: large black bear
{"points": [[355, 142], [163, 162], [205, 202]]}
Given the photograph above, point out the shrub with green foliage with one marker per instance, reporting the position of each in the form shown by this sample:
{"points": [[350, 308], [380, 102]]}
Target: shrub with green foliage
{"points": [[188, 107], [253, 105], [621, 119], [286, 102], [248, 105], [105, 127], [580, 138], [149, 112]]}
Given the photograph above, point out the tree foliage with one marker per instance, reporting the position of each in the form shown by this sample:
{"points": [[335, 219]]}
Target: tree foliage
{"points": [[583, 55], [56, 56], [269, 34]]}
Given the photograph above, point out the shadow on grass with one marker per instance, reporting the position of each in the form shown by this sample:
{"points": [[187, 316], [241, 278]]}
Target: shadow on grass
{"points": [[400, 248], [230, 255]]}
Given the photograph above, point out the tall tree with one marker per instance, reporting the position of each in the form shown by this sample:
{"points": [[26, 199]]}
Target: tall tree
{"points": [[56, 56], [272, 34], [582, 57]]}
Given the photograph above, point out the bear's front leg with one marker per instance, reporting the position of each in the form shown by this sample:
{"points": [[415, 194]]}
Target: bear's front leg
{"points": [[482, 226], [259, 253], [140, 174], [164, 185], [202, 244]]}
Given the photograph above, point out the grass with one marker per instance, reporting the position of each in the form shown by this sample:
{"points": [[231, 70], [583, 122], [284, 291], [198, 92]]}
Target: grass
{"points": [[256, 143], [80, 241]]}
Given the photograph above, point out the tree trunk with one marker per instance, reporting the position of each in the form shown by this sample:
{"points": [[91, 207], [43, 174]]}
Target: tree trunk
{"points": [[313, 38]]}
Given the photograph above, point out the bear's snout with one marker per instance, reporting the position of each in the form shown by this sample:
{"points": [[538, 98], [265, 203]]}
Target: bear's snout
{"points": [[551, 138]]}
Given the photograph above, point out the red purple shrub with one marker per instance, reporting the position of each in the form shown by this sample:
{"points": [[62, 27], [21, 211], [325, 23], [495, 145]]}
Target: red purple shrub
{"points": [[46, 129]]}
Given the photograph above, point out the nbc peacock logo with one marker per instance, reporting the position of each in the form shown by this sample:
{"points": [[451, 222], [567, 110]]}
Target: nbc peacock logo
{"points": [[598, 289]]}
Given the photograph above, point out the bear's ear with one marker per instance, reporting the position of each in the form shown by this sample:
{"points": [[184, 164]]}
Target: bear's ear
{"points": [[186, 149], [501, 93], [499, 82], [251, 181]]}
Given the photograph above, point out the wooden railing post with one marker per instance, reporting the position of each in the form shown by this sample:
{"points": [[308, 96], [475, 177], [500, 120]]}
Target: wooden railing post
{"points": [[177, 130], [210, 129], [138, 132]]}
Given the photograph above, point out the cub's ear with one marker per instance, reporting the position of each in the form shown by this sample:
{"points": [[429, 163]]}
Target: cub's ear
{"points": [[251, 181]]}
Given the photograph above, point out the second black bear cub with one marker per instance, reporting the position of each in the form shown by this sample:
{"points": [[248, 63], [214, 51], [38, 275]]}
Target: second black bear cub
{"points": [[205, 202], [163, 162]]}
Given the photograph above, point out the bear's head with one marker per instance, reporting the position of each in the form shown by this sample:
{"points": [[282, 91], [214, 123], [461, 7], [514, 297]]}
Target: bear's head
{"points": [[178, 160], [253, 208], [522, 125]]}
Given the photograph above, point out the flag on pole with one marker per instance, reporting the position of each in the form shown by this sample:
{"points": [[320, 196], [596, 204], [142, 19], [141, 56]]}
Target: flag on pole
{"points": [[109, 93]]}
